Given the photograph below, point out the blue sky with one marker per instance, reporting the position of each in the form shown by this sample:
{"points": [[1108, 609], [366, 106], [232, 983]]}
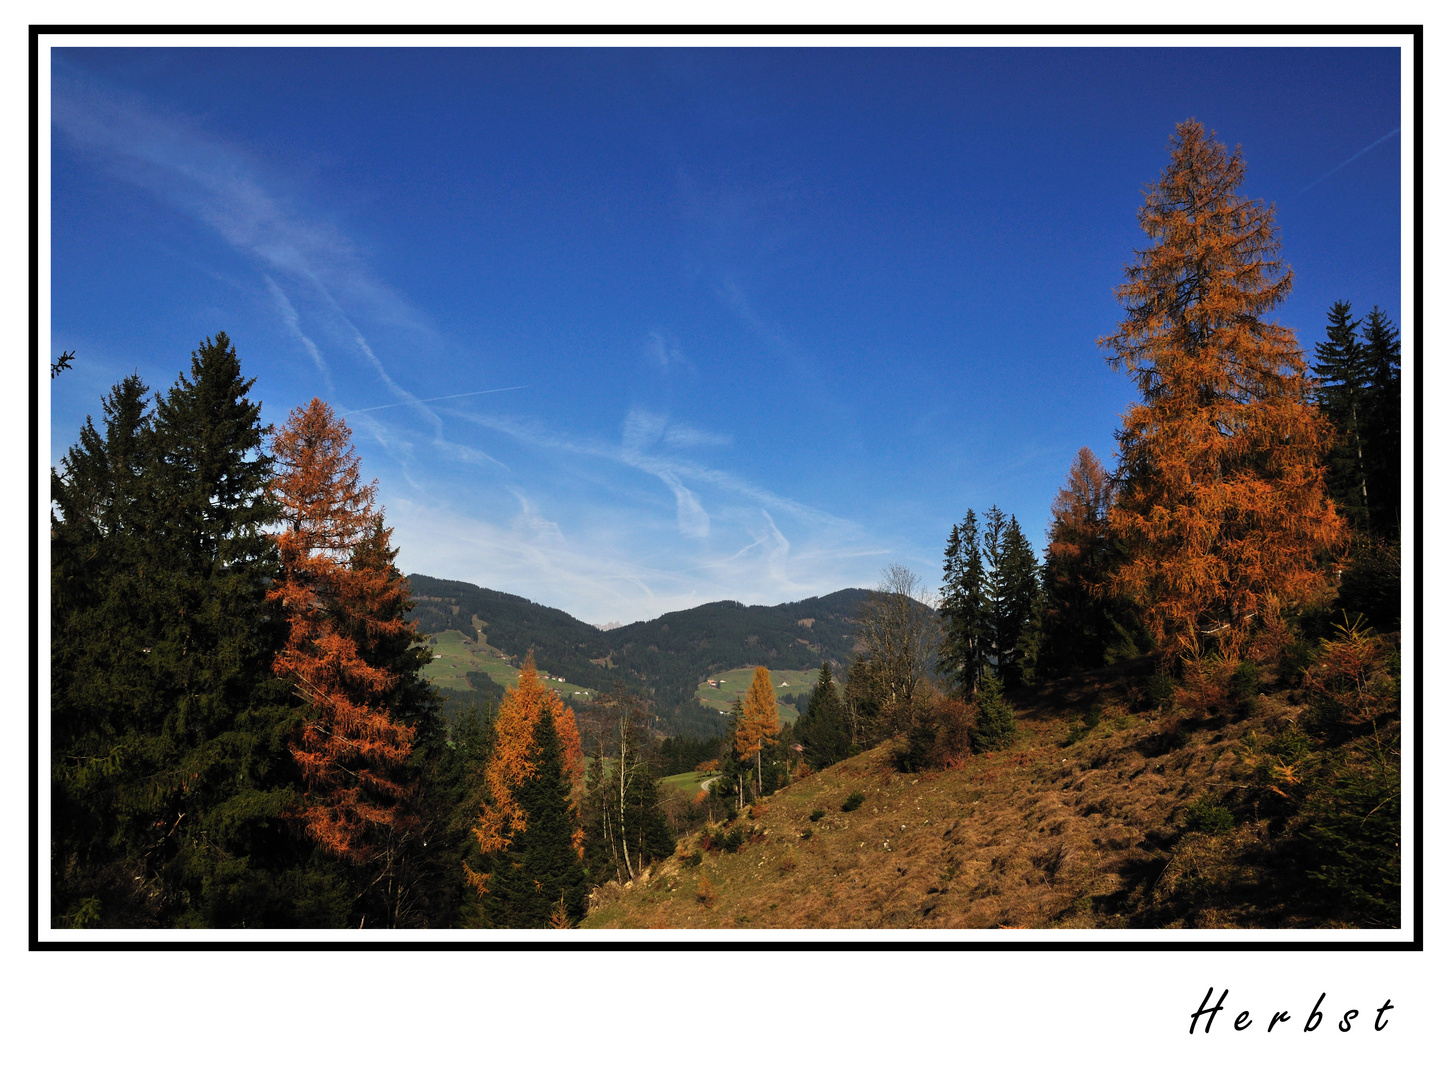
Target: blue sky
{"points": [[745, 324]]}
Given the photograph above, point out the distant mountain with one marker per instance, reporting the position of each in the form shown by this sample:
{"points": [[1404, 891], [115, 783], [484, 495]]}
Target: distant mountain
{"points": [[665, 658]]}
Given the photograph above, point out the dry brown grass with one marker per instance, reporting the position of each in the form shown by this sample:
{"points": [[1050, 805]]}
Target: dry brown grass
{"points": [[1049, 833]]}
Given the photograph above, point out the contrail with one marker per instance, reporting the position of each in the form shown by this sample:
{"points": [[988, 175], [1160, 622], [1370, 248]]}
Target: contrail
{"points": [[422, 401], [1347, 162]]}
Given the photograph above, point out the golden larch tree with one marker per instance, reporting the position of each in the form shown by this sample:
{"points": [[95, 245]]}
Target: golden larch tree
{"points": [[1222, 503], [500, 814], [759, 722], [341, 595]]}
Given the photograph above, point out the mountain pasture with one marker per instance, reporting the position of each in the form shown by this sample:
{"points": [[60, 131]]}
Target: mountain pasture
{"points": [[455, 654], [731, 685]]}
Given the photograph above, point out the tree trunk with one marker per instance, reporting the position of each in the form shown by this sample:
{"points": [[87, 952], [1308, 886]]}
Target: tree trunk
{"points": [[1360, 464], [624, 844]]}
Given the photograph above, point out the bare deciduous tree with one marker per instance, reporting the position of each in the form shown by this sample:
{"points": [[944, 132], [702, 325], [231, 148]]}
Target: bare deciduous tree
{"points": [[901, 633]]}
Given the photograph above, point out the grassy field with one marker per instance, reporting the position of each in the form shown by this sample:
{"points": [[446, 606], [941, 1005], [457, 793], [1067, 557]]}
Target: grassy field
{"points": [[734, 684], [689, 782], [455, 654]]}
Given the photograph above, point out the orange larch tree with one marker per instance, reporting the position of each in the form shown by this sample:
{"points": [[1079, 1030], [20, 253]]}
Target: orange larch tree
{"points": [[760, 721], [1222, 502], [340, 594], [512, 763]]}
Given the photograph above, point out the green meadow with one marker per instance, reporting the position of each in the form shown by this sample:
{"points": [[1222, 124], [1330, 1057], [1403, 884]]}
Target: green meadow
{"points": [[455, 655], [733, 684]]}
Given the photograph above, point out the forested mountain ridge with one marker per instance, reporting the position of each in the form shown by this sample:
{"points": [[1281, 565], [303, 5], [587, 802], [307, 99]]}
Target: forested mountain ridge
{"points": [[665, 657]]}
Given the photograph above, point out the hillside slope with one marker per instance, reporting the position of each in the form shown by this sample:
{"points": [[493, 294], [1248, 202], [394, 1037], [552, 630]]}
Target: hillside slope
{"points": [[1070, 828], [664, 658]]}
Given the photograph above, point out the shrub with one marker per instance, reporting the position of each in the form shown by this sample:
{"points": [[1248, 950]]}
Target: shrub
{"points": [[1159, 690], [1349, 688], [756, 810], [915, 755], [817, 815], [1118, 718], [1204, 687], [996, 728], [788, 862], [1352, 821], [1208, 816], [806, 834], [1295, 659], [854, 800], [952, 734], [941, 737], [730, 842], [1244, 682], [559, 917], [705, 892], [1371, 584], [691, 861]]}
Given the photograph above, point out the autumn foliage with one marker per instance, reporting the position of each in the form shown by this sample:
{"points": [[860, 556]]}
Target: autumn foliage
{"points": [[759, 723], [1223, 506], [341, 596], [513, 759], [1351, 685]]}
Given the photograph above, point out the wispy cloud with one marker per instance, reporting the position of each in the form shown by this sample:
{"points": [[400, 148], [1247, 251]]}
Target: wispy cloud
{"points": [[290, 318], [219, 184], [608, 529], [640, 427], [601, 574], [228, 190], [444, 397], [1348, 161], [664, 354]]}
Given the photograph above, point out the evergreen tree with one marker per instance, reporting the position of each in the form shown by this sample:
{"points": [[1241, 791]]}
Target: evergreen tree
{"points": [[1223, 507], [542, 866], [1014, 591], [182, 771], [735, 773], [823, 730], [964, 608], [1342, 394], [1384, 423], [103, 693], [1032, 643], [226, 784], [226, 714], [1078, 621], [995, 729], [502, 820], [863, 703]]}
